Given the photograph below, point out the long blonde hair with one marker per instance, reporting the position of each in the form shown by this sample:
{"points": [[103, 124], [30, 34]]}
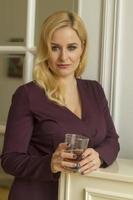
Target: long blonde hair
{"points": [[41, 73]]}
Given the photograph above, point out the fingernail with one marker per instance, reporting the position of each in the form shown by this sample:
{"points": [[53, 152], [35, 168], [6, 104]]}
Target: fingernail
{"points": [[77, 166]]}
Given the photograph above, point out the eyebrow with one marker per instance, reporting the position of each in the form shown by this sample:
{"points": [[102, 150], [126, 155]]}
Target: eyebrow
{"points": [[74, 43]]}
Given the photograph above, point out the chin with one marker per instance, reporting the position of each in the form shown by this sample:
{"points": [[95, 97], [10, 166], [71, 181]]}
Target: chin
{"points": [[65, 73]]}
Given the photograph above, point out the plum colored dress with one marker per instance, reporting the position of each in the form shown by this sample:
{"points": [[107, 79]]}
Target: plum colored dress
{"points": [[35, 127]]}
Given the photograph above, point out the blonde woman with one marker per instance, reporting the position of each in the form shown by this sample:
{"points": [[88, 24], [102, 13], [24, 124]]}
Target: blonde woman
{"points": [[57, 102]]}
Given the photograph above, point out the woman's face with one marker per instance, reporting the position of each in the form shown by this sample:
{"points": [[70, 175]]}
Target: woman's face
{"points": [[66, 50]]}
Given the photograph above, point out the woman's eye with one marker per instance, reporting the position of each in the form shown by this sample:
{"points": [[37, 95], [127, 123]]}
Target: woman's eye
{"points": [[54, 48], [72, 48]]}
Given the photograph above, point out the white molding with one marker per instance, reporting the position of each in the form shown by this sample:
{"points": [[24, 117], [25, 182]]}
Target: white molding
{"points": [[30, 30], [28, 65], [32, 50], [12, 49], [80, 7], [64, 187], [92, 192], [29, 58], [109, 48], [114, 56], [114, 182], [17, 49], [116, 88], [104, 42], [67, 187]]}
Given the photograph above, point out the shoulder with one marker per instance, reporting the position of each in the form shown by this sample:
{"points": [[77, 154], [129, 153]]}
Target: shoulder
{"points": [[93, 88], [28, 91], [90, 84], [29, 88], [28, 95]]}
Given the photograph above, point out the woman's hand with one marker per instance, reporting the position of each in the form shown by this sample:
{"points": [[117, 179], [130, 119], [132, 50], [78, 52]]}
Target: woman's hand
{"points": [[90, 161], [61, 159]]}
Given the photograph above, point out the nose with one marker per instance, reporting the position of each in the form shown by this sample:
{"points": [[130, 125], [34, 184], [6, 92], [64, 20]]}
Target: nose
{"points": [[63, 55]]}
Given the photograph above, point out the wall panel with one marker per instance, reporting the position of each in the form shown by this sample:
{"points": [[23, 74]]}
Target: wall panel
{"points": [[110, 27]]}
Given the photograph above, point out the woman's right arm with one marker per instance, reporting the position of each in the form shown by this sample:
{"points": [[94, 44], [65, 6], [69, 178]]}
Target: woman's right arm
{"points": [[15, 159]]}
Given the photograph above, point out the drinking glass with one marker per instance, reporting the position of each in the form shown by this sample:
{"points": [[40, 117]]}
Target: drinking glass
{"points": [[76, 145]]}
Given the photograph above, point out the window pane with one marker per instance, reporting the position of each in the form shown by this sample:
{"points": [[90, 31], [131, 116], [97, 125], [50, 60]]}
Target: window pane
{"points": [[13, 22], [11, 70], [45, 7]]}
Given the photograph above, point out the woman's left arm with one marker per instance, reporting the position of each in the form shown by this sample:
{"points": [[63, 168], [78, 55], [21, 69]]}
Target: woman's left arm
{"points": [[106, 152], [109, 148]]}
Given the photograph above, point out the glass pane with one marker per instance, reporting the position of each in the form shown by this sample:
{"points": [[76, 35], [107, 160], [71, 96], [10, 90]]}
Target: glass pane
{"points": [[13, 22], [11, 76], [45, 7]]}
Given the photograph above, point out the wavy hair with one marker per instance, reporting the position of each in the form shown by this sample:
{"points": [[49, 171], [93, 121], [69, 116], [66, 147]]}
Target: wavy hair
{"points": [[41, 72]]}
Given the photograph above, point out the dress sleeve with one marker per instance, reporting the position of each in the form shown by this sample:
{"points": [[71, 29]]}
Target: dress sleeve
{"points": [[109, 148], [15, 158]]}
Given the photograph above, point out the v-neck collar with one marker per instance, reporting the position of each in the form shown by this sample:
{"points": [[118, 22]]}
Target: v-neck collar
{"points": [[80, 91]]}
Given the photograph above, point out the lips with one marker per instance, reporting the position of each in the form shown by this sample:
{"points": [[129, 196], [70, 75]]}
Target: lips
{"points": [[63, 65]]}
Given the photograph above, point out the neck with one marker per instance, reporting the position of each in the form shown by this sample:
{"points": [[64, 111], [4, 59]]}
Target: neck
{"points": [[68, 82]]}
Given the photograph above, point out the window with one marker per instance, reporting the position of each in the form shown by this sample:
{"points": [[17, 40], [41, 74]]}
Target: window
{"points": [[20, 21]]}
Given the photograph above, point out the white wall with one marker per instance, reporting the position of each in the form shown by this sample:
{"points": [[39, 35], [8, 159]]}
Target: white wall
{"points": [[111, 53], [124, 79], [91, 13]]}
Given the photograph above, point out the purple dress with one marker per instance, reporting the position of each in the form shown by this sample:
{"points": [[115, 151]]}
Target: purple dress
{"points": [[37, 125]]}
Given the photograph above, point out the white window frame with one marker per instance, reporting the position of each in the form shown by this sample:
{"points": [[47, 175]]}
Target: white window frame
{"points": [[28, 49]]}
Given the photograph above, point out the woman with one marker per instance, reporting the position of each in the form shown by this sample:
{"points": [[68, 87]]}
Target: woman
{"points": [[55, 103]]}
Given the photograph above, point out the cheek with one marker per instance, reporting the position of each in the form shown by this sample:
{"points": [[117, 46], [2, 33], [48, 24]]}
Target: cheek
{"points": [[52, 59], [76, 57], [77, 54]]}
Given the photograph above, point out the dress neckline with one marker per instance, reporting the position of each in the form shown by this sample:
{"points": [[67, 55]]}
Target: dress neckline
{"points": [[80, 92]]}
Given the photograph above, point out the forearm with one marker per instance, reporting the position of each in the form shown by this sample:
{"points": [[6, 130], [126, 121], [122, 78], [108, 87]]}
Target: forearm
{"points": [[108, 151], [29, 167]]}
